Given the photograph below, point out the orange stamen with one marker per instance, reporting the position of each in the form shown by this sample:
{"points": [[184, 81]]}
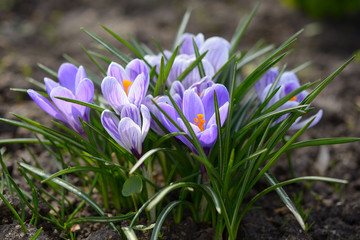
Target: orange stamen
{"points": [[293, 98], [199, 121], [126, 84], [199, 94]]}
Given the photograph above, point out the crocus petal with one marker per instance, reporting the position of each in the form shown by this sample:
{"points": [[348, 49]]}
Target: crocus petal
{"points": [[265, 80], [187, 46], [80, 75], [85, 92], [288, 77], [223, 111], [45, 104], [208, 137], [64, 106], [177, 88], [218, 51], [170, 110], [146, 117], [192, 105], [50, 84], [67, 74], [301, 124], [194, 76], [208, 99], [138, 89], [135, 68], [114, 93], [131, 138], [111, 122], [205, 83], [179, 65], [132, 112], [118, 72]]}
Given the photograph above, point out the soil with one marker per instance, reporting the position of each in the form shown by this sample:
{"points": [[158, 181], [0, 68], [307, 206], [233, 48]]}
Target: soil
{"points": [[38, 31]]}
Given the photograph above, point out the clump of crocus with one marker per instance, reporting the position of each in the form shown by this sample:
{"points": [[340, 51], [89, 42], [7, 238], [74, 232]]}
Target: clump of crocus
{"points": [[131, 129], [124, 86], [287, 83], [73, 84], [199, 111]]}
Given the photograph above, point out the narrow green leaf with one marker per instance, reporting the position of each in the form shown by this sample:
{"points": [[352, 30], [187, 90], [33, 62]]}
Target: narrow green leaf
{"points": [[67, 186], [74, 169], [241, 29], [37, 234], [323, 141], [161, 218], [90, 105], [197, 54], [182, 27], [285, 199], [108, 47], [144, 157], [48, 70], [191, 67], [103, 219], [123, 41], [16, 215], [129, 233], [102, 70]]}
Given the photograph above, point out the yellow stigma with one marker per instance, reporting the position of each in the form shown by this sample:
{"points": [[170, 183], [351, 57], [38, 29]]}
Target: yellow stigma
{"points": [[199, 121], [126, 84], [293, 98]]}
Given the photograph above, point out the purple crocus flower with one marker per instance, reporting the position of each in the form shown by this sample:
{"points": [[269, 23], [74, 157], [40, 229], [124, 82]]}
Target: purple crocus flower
{"points": [[218, 48], [124, 86], [218, 54], [72, 84], [287, 83], [199, 110], [181, 63], [129, 131]]}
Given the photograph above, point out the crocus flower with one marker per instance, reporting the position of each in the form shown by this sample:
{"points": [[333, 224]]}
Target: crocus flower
{"points": [[200, 113], [181, 63], [287, 83], [72, 84], [217, 55], [129, 131], [218, 48], [124, 86]]}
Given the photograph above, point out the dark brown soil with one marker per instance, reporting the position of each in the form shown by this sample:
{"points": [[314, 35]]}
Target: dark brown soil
{"points": [[37, 31]]}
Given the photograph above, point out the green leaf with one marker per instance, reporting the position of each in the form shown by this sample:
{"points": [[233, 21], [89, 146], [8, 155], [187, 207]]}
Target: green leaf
{"points": [[191, 67], [197, 54], [144, 157], [67, 186], [90, 105], [129, 233], [37, 234], [132, 185], [118, 54], [48, 70], [101, 219], [285, 199], [161, 218], [21, 222], [182, 27], [323, 141], [241, 29]]}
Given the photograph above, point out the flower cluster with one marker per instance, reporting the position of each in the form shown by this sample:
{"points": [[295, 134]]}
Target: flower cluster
{"points": [[126, 91]]}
